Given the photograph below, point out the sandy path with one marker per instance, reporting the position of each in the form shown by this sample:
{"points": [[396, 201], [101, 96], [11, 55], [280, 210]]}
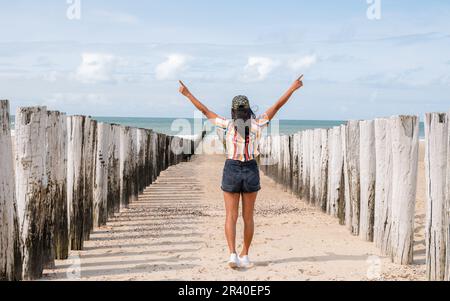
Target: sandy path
{"points": [[175, 232]]}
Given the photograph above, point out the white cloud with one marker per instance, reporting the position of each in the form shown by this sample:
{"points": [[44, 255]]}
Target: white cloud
{"points": [[303, 62], [258, 68], [171, 67], [97, 67]]}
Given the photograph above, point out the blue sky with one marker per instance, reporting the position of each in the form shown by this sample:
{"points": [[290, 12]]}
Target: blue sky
{"points": [[123, 58]]}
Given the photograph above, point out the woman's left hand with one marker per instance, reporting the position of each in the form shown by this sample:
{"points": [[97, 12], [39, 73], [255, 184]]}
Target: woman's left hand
{"points": [[298, 83]]}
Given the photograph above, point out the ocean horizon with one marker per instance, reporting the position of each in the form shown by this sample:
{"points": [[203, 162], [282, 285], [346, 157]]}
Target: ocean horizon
{"points": [[171, 126]]}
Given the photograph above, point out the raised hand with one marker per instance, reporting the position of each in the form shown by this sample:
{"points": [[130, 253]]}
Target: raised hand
{"points": [[183, 89], [298, 83]]}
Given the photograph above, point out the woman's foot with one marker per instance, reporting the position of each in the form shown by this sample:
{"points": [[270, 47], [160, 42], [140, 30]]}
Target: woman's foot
{"points": [[244, 261], [234, 261]]}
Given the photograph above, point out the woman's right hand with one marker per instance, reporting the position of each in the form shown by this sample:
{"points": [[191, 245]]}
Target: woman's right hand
{"points": [[183, 89]]}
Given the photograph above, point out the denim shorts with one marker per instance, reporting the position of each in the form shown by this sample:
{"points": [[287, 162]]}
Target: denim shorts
{"points": [[241, 177]]}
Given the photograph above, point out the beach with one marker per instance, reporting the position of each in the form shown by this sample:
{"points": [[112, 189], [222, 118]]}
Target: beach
{"points": [[175, 232]]}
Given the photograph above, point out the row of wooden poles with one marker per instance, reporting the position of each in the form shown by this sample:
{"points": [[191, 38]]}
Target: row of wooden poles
{"points": [[66, 176], [365, 174]]}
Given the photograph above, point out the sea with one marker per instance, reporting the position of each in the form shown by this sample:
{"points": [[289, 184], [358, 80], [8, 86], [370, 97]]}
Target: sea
{"points": [[189, 126]]}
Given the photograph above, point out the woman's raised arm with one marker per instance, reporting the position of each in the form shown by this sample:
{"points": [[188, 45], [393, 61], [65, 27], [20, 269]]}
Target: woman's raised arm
{"points": [[272, 111], [201, 107]]}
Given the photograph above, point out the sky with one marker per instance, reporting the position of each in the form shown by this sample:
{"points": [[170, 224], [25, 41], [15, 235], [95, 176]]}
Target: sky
{"points": [[361, 59]]}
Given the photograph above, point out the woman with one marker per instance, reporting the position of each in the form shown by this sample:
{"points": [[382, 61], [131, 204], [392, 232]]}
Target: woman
{"points": [[241, 174]]}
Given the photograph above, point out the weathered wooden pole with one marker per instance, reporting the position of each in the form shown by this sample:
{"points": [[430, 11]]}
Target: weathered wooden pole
{"points": [[286, 165], [155, 155], [149, 158], [278, 152], [272, 165], [368, 175], [383, 185], [134, 166], [330, 171], [315, 165], [309, 164], [165, 153], [436, 156], [57, 227], [90, 134], [304, 189], [31, 186], [353, 174], [100, 202], [113, 203], [346, 203], [76, 179], [270, 154], [10, 240], [405, 150], [162, 152], [295, 166], [447, 225], [336, 171], [141, 149], [140, 158], [324, 160], [126, 164], [300, 164]]}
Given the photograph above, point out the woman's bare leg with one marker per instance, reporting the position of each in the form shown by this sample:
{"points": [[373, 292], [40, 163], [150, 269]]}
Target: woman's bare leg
{"points": [[248, 207], [232, 213]]}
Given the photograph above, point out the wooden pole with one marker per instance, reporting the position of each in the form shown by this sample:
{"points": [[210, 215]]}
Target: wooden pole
{"points": [[447, 225], [295, 166], [300, 164], [278, 148], [308, 165], [76, 179], [436, 154], [324, 158], [134, 166], [155, 152], [100, 209], [90, 134], [367, 174], [336, 173], [31, 186], [304, 189], [10, 240], [405, 149], [113, 203], [315, 166], [149, 158], [126, 163], [353, 174], [57, 234], [286, 181], [346, 203], [383, 185], [141, 149]]}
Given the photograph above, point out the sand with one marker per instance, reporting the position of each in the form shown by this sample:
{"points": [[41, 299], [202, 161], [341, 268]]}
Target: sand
{"points": [[175, 232]]}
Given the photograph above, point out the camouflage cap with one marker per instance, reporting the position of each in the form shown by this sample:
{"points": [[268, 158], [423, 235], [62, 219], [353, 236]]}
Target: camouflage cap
{"points": [[240, 101]]}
